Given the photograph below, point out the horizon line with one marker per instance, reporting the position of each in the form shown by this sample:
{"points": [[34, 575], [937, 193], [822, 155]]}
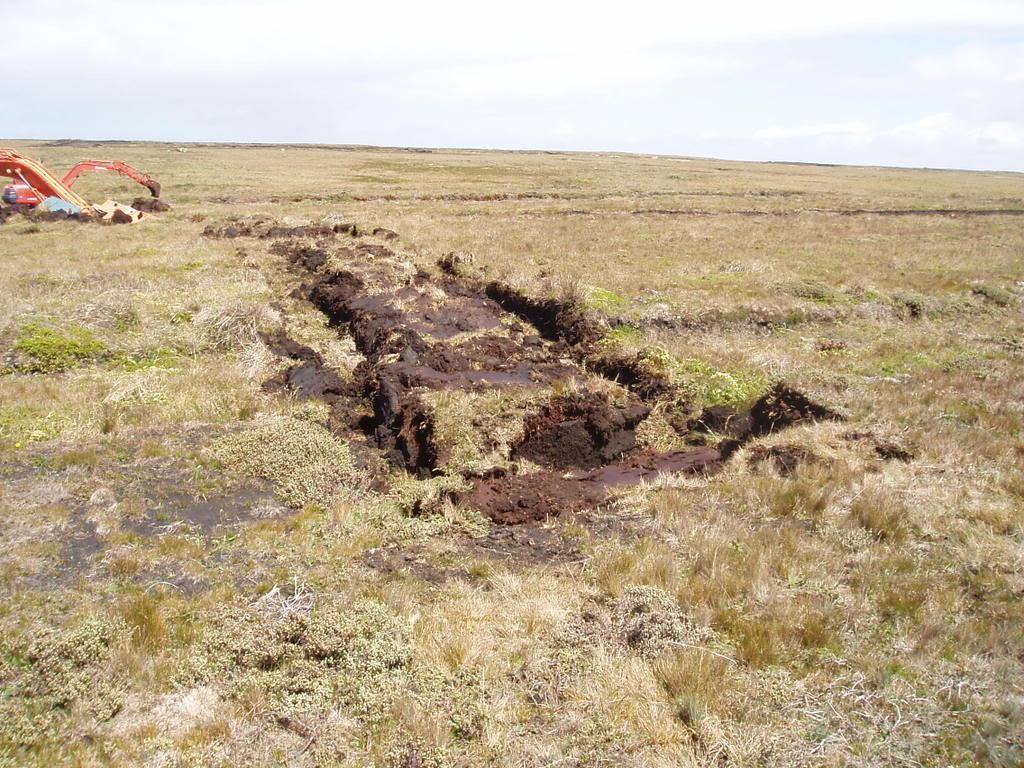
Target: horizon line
{"points": [[424, 148]]}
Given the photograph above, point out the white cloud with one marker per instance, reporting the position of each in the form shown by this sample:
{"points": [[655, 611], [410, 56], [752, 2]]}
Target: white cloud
{"points": [[1002, 135], [221, 37], [654, 75], [922, 141], [581, 74], [928, 129], [992, 62], [855, 128]]}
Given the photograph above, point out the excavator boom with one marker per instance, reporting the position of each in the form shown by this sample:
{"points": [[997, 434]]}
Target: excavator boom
{"points": [[117, 166]]}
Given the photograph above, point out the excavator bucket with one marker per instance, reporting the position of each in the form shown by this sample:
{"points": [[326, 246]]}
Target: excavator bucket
{"points": [[115, 213], [153, 187]]}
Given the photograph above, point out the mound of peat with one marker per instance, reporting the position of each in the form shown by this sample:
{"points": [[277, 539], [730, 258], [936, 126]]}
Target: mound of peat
{"points": [[309, 376], [582, 431], [512, 499], [420, 334], [37, 214], [565, 322], [150, 205]]}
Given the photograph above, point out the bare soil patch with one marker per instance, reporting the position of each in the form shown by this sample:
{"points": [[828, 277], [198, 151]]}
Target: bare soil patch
{"points": [[538, 496], [421, 333]]}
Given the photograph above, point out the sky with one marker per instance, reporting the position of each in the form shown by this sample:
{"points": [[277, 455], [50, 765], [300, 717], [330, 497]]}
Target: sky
{"points": [[935, 83]]}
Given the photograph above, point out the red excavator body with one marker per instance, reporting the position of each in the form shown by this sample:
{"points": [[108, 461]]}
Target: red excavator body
{"points": [[20, 194]]}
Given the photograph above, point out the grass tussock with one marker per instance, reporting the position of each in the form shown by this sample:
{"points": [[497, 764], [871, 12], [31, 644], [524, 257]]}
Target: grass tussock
{"points": [[697, 683], [823, 600], [882, 512]]}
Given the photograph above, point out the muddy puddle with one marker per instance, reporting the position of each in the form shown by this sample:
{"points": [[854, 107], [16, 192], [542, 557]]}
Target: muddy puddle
{"points": [[512, 499], [153, 505], [423, 333]]}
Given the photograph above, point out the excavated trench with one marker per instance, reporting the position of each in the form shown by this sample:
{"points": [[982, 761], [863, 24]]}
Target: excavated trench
{"points": [[421, 334], [39, 215]]}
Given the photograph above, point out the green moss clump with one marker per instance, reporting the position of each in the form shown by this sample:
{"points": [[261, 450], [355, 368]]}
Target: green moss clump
{"points": [[42, 349], [623, 334], [165, 358], [702, 382], [21, 423], [599, 298], [304, 461], [815, 291]]}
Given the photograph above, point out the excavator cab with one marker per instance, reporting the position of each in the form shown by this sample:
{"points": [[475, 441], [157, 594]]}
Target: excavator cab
{"points": [[20, 194]]}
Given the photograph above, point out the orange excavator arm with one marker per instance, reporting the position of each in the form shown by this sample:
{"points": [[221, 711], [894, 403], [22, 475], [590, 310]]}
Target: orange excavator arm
{"points": [[25, 170], [118, 166]]}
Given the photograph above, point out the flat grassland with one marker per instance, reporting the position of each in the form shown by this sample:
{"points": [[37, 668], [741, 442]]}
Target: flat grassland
{"points": [[198, 569]]}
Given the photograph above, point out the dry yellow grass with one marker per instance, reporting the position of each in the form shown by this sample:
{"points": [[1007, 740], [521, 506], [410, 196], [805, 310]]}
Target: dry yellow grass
{"points": [[860, 610]]}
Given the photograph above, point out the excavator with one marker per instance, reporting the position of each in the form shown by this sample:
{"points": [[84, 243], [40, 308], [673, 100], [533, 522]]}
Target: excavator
{"points": [[34, 184]]}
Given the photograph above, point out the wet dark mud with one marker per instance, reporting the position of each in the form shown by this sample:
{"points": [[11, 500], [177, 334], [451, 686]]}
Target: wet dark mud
{"points": [[169, 510], [784, 407], [153, 504], [420, 333], [781, 407], [566, 322], [512, 499], [724, 420], [631, 371], [530, 543], [515, 499], [410, 562], [555, 319]]}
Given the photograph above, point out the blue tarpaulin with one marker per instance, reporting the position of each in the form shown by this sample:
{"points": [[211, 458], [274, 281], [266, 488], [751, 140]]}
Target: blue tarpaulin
{"points": [[56, 204]]}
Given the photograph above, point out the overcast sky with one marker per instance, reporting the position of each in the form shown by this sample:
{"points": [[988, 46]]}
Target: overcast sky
{"points": [[935, 83]]}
